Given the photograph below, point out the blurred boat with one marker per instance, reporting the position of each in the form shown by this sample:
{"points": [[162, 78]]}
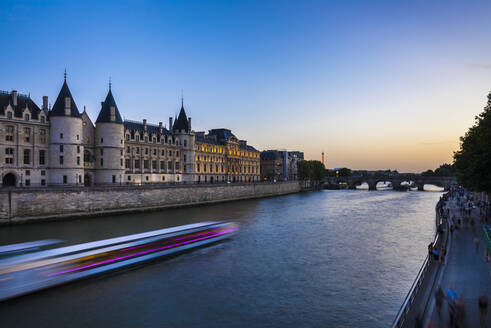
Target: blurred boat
{"points": [[27, 246], [31, 272]]}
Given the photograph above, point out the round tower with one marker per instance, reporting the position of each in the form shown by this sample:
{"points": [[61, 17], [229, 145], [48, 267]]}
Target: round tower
{"points": [[183, 132], [109, 144], [65, 141]]}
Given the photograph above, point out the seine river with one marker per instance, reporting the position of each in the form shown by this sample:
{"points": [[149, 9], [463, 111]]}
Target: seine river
{"points": [[317, 259]]}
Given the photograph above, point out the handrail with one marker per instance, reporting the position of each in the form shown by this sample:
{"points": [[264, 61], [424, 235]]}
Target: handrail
{"points": [[400, 318]]}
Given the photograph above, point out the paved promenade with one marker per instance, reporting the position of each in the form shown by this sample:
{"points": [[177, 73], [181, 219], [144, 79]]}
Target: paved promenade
{"points": [[465, 269]]}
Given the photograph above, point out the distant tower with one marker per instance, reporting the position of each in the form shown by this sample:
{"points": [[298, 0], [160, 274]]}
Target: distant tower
{"points": [[65, 145], [323, 158], [183, 132], [109, 144]]}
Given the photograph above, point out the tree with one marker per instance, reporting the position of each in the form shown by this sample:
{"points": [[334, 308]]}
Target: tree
{"points": [[314, 171], [344, 172], [473, 159]]}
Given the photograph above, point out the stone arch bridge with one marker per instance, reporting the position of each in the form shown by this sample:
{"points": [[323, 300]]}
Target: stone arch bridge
{"points": [[395, 180]]}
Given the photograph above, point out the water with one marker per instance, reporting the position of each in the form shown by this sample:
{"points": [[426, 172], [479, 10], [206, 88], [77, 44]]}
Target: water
{"points": [[319, 259]]}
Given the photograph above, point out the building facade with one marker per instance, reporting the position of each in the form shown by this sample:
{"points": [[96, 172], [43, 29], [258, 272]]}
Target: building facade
{"points": [[221, 157], [280, 165], [60, 146]]}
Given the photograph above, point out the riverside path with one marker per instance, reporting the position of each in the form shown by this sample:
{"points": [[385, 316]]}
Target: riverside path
{"points": [[465, 269]]}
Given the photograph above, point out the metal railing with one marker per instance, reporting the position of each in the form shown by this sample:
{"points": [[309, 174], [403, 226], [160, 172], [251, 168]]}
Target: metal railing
{"points": [[402, 316]]}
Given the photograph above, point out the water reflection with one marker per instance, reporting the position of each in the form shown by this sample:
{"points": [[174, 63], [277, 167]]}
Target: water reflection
{"points": [[330, 258]]}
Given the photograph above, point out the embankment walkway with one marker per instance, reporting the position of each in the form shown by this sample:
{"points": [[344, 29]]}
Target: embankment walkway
{"points": [[465, 268]]}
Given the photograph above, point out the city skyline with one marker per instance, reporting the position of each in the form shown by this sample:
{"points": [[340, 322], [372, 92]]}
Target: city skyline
{"points": [[312, 77]]}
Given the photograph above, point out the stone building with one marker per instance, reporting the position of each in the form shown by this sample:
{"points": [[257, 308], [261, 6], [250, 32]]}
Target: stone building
{"points": [[222, 157], [61, 146], [280, 165]]}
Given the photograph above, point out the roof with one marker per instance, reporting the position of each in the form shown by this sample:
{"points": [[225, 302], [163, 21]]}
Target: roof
{"points": [[22, 102], [105, 113], [59, 106], [137, 126], [269, 155], [222, 134], [182, 122]]}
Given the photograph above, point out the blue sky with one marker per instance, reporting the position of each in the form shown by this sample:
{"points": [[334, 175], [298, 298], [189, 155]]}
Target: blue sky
{"points": [[374, 84]]}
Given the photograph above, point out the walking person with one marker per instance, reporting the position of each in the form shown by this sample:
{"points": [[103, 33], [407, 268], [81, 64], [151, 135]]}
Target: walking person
{"points": [[476, 242], [439, 300], [483, 309]]}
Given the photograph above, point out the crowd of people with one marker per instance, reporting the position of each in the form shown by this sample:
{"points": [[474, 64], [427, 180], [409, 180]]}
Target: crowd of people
{"points": [[458, 208]]}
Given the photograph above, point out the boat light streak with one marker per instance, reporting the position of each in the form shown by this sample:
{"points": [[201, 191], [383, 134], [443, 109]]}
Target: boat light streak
{"points": [[144, 252]]}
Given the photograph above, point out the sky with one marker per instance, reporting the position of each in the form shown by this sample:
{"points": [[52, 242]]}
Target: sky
{"points": [[373, 84]]}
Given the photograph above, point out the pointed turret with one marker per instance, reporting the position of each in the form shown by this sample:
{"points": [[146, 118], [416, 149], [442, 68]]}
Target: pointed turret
{"points": [[181, 122], [64, 104], [109, 112]]}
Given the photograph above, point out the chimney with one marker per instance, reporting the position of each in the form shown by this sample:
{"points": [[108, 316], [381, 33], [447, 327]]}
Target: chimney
{"points": [[189, 123], [68, 106], [45, 102], [160, 126], [14, 97], [144, 122], [170, 123]]}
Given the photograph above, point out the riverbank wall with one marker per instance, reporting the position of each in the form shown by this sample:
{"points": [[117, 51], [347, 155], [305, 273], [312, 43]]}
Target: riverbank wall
{"points": [[30, 205]]}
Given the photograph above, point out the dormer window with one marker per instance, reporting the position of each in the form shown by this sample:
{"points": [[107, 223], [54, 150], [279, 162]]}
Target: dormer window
{"points": [[9, 115], [43, 119], [26, 117]]}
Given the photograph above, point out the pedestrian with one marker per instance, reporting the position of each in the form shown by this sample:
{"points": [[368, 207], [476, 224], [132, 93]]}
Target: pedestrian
{"points": [[483, 308], [439, 300], [476, 242], [460, 312]]}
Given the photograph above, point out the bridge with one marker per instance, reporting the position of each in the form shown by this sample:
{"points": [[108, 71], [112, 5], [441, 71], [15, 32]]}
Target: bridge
{"points": [[396, 180]]}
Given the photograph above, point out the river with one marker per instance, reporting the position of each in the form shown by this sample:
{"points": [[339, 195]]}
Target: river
{"points": [[342, 258]]}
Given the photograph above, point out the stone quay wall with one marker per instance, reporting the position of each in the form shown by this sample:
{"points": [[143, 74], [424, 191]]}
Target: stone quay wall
{"points": [[28, 205]]}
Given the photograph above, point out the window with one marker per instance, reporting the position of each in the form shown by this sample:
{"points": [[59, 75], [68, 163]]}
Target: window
{"points": [[146, 151], [121, 162], [137, 138], [121, 151], [163, 178], [9, 160], [114, 179], [137, 150], [185, 143], [61, 135], [102, 151], [127, 163], [102, 140], [61, 160], [197, 167], [145, 164], [154, 165], [129, 177], [79, 179], [43, 182], [9, 115], [28, 172], [155, 152], [162, 153], [26, 117], [137, 164], [154, 140], [146, 139], [184, 158], [78, 137], [10, 133], [78, 160], [9, 151], [64, 179], [42, 133], [43, 172], [127, 137], [61, 148], [177, 153], [42, 157], [170, 152], [27, 156], [78, 149], [169, 166], [27, 134], [28, 182], [128, 150], [162, 165], [102, 161]]}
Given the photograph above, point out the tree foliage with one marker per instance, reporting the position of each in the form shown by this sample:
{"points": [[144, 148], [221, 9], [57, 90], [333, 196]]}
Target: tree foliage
{"points": [[445, 170], [473, 159], [314, 171]]}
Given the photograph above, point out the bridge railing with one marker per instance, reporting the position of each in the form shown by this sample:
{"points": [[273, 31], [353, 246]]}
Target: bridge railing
{"points": [[426, 271]]}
